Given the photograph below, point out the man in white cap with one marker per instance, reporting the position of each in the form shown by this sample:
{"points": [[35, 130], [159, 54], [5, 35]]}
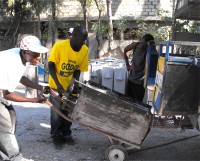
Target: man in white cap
{"points": [[13, 65]]}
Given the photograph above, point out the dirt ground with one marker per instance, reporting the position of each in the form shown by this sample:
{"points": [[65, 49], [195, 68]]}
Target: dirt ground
{"points": [[161, 144]]}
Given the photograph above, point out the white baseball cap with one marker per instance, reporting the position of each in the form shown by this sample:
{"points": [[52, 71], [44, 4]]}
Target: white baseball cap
{"points": [[33, 44], [70, 30]]}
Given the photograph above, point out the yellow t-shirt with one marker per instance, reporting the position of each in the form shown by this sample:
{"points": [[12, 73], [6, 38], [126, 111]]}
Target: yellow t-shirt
{"points": [[67, 61]]}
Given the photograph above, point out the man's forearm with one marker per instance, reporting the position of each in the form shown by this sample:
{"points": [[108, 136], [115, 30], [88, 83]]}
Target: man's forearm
{"points": [[52, 72], [17, 98], [25, 81], [77, 74]]}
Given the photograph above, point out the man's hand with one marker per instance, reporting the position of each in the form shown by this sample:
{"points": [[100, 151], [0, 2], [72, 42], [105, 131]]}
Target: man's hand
{"points": [[41, 100], [46, 89]]}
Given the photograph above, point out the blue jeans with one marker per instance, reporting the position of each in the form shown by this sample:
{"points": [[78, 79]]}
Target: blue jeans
{"points": [[9, 149], [59, 125]]}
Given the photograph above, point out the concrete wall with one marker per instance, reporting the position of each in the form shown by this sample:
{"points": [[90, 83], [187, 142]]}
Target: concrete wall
{"points": [[71, 11], [131, 9], [104, 45]]}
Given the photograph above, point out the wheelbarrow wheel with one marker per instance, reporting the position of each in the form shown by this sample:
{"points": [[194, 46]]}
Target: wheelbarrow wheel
{"points": [[116, 153]]}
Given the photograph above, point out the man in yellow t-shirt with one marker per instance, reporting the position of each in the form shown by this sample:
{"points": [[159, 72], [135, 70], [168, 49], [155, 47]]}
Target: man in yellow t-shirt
{"points": [[67, 59]]}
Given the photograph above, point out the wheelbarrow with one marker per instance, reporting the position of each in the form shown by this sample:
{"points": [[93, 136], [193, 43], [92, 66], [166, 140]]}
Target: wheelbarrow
{"points": [[125, 123]]}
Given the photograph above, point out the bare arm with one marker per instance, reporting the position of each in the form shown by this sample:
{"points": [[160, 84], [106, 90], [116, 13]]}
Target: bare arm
{"points": [[126, 50], [25, 81], [76, 76], [52, 71], [17, 98]]}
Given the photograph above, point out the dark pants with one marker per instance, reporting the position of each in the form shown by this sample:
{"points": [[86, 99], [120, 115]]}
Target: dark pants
{"points": [[9, 149], [136, 91], [59, 125]]}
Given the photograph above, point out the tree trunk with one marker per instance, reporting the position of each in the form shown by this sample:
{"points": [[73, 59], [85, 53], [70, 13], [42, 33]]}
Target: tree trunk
{"points": [[98, 31], [174, 8], [10, 37], [53, 5], [39, 27], [84, 6], [110, 24], [15, 34]]}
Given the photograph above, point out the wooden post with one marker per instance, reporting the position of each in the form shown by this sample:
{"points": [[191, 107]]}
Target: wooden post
{"points": [[33, 76], [46, 71]]}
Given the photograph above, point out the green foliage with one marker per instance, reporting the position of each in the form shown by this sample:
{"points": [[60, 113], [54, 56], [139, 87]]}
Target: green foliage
{"points": [[27, 8], [99, 26], [38, 5], [120, 24], [159, 33], [10, 2], [188, 26], [103, 28], [63, 25], [164, 16]]}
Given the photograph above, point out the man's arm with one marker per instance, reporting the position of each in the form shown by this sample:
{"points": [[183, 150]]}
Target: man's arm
{"points": [[76, 76], [128, 48], [18, 98], [52, 72], [25, 81]]}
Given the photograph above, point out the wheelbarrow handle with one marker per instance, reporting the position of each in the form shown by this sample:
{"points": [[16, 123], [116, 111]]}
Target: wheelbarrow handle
{"points": [[64, 98]]}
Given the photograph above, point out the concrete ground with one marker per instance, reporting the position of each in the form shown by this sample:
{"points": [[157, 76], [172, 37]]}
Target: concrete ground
{"points": [[161, 144]]}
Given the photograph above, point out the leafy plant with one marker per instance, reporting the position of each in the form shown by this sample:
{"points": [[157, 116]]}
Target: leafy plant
{"points": [[103, 28], [159, 32], [121, 26]]}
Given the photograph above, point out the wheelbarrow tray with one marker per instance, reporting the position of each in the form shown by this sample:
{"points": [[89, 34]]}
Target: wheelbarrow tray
{"points": [[115, 116]]}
